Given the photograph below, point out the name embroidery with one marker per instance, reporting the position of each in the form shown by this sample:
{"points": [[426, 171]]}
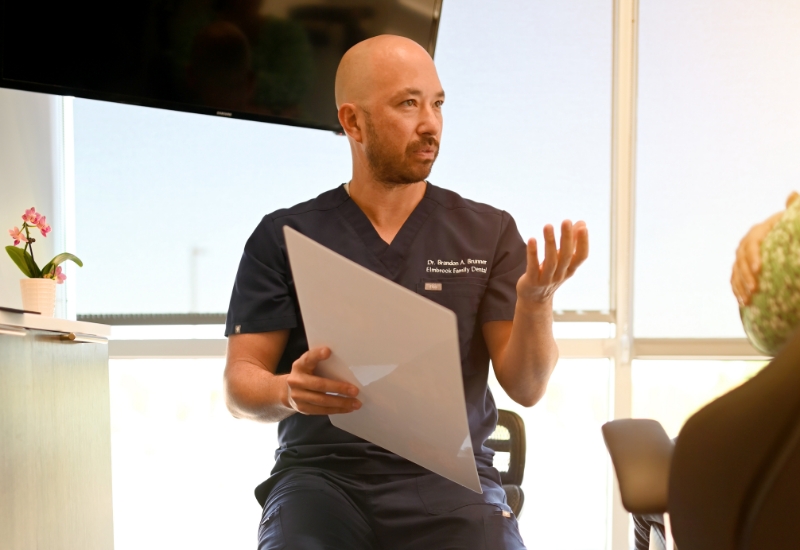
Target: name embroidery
{"points": [[470, 265]]}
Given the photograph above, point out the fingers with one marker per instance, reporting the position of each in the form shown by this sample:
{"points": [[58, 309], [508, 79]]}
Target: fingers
{"points": [[747, 265], [310, 402], [565, 252], [550, 255], [307, 409], [311, 394], [742, 296], [574, 249], [318, 384], [308, 361], [540, 281], [742, 277], [560, 264], [752, 250], [748, 258], [533, 260], [581, 236]]}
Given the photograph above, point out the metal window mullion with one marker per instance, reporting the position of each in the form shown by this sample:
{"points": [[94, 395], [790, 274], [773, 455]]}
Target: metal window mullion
{"points": [[623, 141], [707, 349], [68, 206]]}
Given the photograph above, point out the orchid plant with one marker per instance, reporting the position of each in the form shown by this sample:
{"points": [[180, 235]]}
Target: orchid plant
{"points": [[23, 257]]}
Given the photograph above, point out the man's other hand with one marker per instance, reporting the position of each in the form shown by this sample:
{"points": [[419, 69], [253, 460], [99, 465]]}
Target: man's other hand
{"points": [[307, 393], [540, 281], [747, 266]]}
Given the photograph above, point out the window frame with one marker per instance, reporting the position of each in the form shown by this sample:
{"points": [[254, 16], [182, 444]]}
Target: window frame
{"points": [[622, 348]]}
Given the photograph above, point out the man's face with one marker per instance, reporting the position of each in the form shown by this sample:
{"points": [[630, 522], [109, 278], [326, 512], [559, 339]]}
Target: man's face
{"points": [[403, 126]]}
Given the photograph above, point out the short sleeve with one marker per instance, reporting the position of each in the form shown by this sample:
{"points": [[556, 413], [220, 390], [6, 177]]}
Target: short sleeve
{"points": [[262, 300], [508, 264]]}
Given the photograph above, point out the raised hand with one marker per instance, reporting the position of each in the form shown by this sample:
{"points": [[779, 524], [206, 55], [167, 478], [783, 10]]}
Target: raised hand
{"points": [[540, 281], [747, 266], [311, 394]]}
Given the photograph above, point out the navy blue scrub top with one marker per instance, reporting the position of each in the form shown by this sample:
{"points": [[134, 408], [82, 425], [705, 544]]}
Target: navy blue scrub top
{"points": [[472, 253]]}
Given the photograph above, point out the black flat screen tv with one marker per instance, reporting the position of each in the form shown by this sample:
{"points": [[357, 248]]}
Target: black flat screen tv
{"points": [[266, 60]]}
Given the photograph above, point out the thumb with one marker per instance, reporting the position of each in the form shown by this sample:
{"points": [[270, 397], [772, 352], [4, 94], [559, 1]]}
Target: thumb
{"points": [[792, 197], [308, 361]]}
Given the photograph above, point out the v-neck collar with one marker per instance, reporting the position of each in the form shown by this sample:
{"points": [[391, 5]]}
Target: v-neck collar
{"points": [[390, 255]]}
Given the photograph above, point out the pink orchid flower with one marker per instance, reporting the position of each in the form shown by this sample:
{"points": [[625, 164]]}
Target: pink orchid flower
{"points": [[17, 235], [42, 225], [57, 275], [31, 216]]}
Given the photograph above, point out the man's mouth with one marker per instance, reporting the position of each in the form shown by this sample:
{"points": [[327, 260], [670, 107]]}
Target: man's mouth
{"points": [[426, 151]]}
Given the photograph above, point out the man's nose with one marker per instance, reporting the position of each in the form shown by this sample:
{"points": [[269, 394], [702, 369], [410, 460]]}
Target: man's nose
{"points": [[430, 121]]}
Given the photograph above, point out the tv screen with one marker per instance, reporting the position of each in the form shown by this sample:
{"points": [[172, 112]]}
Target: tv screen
{"points": [[267, 60]]}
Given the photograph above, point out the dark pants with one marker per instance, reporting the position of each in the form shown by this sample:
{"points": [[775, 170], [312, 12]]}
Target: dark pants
{"points": [[312, 509]]}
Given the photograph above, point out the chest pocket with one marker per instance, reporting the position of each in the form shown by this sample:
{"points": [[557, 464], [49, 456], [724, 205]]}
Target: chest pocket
{"points": [[462, 296]]}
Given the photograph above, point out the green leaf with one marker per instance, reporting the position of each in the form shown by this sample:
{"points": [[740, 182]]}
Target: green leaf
{"points": [[61, 258], [23, 260], [34, 269]]}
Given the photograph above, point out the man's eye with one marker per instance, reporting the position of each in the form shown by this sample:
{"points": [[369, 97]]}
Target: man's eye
{"points": [[409, 102]]}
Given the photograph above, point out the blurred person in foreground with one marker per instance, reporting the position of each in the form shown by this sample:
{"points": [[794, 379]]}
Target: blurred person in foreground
{"points": [[766, 279], [330, 489], [766, 283]]}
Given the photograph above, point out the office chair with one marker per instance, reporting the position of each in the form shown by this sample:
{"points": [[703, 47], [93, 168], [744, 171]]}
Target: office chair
{"points": [[508, 442], [732, 479]]}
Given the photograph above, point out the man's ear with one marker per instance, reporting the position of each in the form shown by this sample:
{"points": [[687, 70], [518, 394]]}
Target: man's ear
{"points": [[348, 118]]}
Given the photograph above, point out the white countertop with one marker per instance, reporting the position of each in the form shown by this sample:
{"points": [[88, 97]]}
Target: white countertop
{"points": [[40, 322]]}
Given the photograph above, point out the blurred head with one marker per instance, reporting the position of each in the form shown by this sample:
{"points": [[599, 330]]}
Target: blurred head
{"points": [[390, 106], [773, 316]]}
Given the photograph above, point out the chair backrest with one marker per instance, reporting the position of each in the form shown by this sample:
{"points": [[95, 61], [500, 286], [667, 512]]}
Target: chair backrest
{"points": [[509, 437], [508, 443], [735, 476]]}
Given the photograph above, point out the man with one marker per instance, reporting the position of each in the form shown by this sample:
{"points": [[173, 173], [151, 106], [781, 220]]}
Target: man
{"points": [[330, 489]]}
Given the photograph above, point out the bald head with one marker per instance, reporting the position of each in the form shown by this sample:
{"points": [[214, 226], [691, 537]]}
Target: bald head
{"points": [[376, 65], [390, 106]]}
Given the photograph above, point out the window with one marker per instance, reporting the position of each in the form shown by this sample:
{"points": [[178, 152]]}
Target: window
{"points": [[718, 128], [180, 461], [673, 390], [165, 202], [566, 468], [528, 120]]}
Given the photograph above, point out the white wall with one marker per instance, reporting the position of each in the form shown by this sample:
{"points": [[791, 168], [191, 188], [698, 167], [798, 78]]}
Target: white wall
{"points": [[31, 174]]}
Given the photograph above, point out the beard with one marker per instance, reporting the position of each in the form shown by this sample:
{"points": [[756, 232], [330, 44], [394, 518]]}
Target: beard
{"points": [[393, 168]]}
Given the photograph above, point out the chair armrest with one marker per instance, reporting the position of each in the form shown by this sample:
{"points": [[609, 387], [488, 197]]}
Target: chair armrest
{"points": [[641, 453]]}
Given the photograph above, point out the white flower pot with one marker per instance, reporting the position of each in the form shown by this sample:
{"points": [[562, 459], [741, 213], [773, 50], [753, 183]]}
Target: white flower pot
{"points": [[39, 295]]}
